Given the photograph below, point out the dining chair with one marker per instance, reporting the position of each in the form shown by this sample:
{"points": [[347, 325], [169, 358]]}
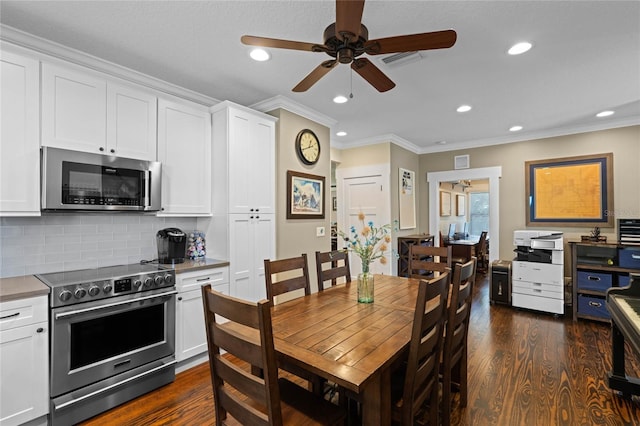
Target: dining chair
{"points": [[420, 384], [294, 276], [339, 267], [482, 253], [243, 329], [454, 356], [424, 260]]}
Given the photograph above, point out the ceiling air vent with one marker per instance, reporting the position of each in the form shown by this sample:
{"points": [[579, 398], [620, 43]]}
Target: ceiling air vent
{"points": [[402, 58]]}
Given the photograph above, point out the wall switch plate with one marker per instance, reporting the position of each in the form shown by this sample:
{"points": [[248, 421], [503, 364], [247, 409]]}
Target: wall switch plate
{"points": [[320, 231]]}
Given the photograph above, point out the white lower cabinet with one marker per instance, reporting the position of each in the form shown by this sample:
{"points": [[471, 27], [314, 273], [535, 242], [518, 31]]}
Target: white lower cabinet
{"points": [[191, 338], [24, 358]]}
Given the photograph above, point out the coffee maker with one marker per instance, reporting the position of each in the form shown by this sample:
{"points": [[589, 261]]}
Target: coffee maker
{"points": [[172, 245]]}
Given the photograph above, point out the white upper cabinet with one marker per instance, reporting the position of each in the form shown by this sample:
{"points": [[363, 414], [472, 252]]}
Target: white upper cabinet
{"points": [[19, 143], [245, 141], [184, 149], [83, 111]]}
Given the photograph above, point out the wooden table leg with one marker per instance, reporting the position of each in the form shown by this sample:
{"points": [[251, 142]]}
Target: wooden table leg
{"points": [[376, 401]]}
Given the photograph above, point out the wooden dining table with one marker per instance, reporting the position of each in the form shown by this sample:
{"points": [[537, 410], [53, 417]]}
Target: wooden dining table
{"points": [[352, 344]]}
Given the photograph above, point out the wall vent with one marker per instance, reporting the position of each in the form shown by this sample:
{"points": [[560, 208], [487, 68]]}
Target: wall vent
{"points": [[461, 162]]}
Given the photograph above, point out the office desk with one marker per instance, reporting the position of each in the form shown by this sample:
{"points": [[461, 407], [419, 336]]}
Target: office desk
{"points": [[463, 248], [352, 344]]}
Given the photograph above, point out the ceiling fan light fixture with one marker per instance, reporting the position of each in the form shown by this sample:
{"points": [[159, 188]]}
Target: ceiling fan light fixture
{"points": [[520, 48], [515, 128], [605, 113], [340, 99], [464, 108], [259, 55], [341, 133]]}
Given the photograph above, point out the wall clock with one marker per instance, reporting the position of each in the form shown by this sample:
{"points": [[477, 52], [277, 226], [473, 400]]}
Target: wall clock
{"points": [[308, 147]]}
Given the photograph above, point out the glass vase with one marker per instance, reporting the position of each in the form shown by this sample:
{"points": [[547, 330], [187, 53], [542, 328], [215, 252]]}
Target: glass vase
{"points": [[365, 285]]}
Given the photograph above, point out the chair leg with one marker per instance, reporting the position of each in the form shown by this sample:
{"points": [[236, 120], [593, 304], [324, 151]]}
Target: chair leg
{"points": [[446, 397]]}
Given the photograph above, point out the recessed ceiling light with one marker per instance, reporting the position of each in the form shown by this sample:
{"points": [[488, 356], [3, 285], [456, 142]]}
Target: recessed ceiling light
{"points": [[519, 48], [340, 99], [464, 108], [441, 143], [515, 128], [605, 113], [259, 55], [341, 133]]}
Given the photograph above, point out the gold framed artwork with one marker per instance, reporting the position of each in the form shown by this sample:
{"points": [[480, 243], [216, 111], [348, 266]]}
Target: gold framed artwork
{"points": [[445, 203], [570, 191], [305, 196], [407, 198], [460, 202]]}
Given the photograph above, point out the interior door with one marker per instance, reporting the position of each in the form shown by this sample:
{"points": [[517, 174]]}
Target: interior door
{"points": [[368, 195]]}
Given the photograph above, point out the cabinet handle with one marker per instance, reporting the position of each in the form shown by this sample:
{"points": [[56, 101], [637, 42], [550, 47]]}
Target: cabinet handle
{"points": [[250, 217], [39, 330], [113, 151], [257, 210], [593, 278], [203, 279], [101, 149], [257, 217], [179, 298], [635, 256], [595, 304], [250, 210], [10, 316]]}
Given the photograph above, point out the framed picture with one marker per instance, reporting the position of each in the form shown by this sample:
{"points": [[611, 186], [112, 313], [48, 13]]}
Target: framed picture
{"points": [[407, 198], [445, 203], [460, 201], [571, 191], [305, 196]]}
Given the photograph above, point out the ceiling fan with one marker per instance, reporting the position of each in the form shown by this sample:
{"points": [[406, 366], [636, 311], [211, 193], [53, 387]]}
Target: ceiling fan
{"points": [[347, 39]]}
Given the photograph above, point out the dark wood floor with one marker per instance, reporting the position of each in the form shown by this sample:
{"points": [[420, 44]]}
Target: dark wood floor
{"points": [[525, 368]]}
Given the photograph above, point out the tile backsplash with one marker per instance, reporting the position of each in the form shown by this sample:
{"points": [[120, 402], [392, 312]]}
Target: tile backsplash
{"points": [[57, 242]]}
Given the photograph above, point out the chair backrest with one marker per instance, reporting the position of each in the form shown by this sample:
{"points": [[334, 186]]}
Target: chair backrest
{"points": [[427, 259], [295, 276], [455, 345], [339, 267], [482, 243], [248, 336], [425, 349]]}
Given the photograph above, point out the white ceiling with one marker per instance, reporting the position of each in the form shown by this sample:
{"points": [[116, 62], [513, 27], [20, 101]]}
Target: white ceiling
{"points": [[586, 58]]}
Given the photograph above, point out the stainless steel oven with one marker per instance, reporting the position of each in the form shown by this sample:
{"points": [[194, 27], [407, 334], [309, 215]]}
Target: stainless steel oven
{"points": [[112, 337]]}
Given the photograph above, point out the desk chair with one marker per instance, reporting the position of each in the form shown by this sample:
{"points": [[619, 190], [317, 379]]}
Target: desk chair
{"points": [[339, 261], [420, 380], [423, 259], [482, 253], [250, 399], [454, 355]]}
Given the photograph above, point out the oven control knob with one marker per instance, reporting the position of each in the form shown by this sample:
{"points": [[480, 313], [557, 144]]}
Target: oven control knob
{"points": [[107, 288], [158, 280], [147, 282], [79, 293], [64, 295], [137, 284], [94, 290], [168, 279]]}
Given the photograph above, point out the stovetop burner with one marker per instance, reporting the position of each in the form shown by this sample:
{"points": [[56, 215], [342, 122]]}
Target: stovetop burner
{"points": [[85, 285]]}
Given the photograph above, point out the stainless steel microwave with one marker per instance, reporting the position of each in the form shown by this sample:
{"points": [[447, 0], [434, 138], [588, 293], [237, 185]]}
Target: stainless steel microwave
{"points": [[73, 180]]}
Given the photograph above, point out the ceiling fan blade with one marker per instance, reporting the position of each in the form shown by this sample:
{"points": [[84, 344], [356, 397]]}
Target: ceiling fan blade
{"points": [[315, 75], [348, 18], [280, 44], [372, 74], [411, 42]]}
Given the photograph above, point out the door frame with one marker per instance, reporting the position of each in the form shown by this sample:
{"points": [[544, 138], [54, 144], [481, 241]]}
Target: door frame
{"points": [[493, 174], [382, 170]]}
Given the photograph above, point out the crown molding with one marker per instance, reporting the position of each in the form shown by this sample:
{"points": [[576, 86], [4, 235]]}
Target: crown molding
{"points": [[283, 102], [58, 51], [374, 140]]}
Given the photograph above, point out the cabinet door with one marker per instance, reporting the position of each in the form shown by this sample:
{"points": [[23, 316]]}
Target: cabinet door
{"points": [[19, 140], [24, 386], [73, 110], [251, 163], [184, 149], [131, 123], [264, 248]]}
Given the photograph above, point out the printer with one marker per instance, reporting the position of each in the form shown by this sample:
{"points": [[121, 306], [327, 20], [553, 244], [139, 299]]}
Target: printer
{"points": [[539, 246]]}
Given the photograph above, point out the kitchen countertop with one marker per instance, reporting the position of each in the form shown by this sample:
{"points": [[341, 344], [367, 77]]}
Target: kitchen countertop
{"points": [[22, 287], [196, 264]]}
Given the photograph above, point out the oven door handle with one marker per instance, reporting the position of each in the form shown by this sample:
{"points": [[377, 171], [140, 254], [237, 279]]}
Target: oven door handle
{"points": [[111, 305]]}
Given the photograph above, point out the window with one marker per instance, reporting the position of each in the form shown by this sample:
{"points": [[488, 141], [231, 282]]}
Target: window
{"points": [[478, 212]]}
